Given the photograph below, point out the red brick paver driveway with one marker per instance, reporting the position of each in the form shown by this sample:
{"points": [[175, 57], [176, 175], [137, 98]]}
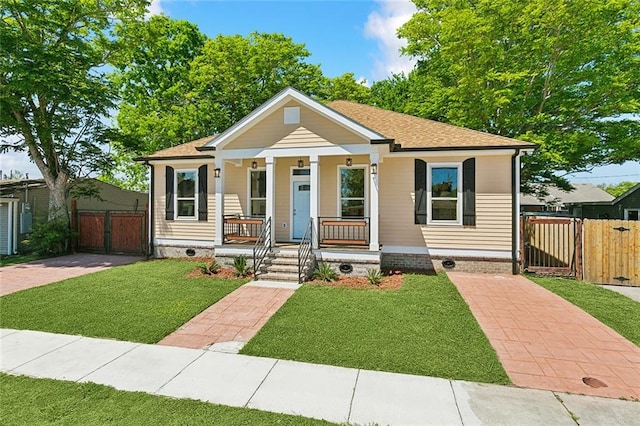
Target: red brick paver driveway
{"points": [[235, 318], [46, 271], [545, 342]]}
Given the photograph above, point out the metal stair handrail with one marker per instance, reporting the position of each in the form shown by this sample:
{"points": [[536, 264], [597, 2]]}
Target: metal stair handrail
{"points": [[262, 247], [304, 251]]}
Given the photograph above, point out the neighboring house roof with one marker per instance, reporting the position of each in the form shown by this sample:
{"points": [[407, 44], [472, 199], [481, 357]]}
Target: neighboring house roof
{"points": [[412, 132], [583, 192], [185, 150], [9, 186], [613, 201]]}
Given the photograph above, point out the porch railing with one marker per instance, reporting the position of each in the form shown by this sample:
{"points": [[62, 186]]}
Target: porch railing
{"points": [[344, 231], [304, 252], [242, 228], [261, 248]]}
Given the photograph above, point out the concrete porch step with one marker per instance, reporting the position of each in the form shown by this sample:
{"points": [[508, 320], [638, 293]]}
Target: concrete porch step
{"points": [[278, 276]]}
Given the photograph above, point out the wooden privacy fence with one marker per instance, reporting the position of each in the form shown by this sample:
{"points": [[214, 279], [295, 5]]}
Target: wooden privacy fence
{"points": [[612, 252], [597, 250], [110, 231]]}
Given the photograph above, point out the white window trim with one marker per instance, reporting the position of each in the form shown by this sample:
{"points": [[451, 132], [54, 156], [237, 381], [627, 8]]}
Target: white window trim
{"points": [[626, 213], [430, 198], [339, 189], [176, 198], [249, 197]]}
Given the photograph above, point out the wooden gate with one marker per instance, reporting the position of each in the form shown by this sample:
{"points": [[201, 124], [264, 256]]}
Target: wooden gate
{"points": [[551, 245], [111, 232], [612, 251]]}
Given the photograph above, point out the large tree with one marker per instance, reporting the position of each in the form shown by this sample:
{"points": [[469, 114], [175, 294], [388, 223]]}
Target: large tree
{"points": [[562, 73], [53, 89], [177, 85]]}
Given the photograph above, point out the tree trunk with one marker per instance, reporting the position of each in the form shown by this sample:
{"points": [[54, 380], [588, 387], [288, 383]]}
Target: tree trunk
{"points": [[58, 198]]}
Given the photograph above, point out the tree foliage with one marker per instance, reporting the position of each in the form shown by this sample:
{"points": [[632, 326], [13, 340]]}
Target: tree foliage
{"points": [[618, 189], [346, 88], [53, 88], [178, 85], [563, 74]]}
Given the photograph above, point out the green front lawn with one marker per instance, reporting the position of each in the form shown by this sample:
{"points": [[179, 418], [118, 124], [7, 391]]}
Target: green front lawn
{"points": [[615, 310], [28, 401], [423, 328], [142, 302]]}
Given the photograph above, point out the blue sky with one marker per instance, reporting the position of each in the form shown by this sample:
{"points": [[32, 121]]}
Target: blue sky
{"points": [[356, 36]]}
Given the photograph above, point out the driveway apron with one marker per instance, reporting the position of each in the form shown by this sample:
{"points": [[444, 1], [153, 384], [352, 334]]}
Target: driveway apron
{"points": [[233, 320], [22, 276], [545, 342]]}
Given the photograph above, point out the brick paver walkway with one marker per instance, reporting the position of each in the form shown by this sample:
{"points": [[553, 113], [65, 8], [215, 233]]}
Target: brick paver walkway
{"points": [[46, 271], [545, 342], [235, 318]]}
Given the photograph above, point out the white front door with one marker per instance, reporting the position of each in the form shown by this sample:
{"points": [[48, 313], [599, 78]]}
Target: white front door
{"points": [[301, 212]]}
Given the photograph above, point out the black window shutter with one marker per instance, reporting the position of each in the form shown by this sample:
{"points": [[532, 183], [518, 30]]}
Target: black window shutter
{"points": [[169, 175], [469, 192], [420, 187], [202, 193]]}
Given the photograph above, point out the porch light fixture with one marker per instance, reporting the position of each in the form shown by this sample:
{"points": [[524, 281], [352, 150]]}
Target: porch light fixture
{"points": [[254, 164], [349, 161], [216, 172], [374, 169], [300, 163]]}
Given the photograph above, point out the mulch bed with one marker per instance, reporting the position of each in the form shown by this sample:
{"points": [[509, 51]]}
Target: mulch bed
{"points": [[223, 274], [391, 281]]}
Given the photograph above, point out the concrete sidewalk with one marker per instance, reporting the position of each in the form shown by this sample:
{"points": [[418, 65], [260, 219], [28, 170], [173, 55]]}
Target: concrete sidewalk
{"points": [[332, 393]]}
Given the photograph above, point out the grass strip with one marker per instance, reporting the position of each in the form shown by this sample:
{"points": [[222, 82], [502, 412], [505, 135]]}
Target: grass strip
{"points": [[29, 401], [619, 312], [423, 328], [141, 302]]}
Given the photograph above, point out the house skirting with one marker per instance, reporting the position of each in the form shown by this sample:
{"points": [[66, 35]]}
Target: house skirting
{"points": [[355, 263], [182, 248], [427, 263]]}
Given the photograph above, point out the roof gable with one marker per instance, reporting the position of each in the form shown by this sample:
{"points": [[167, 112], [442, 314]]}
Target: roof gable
{"points": [[627, 193], [280, 100]]}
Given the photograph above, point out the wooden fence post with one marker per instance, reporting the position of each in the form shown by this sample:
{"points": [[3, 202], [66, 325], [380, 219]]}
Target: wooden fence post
{"points": [[578, 245], [74, 225]]}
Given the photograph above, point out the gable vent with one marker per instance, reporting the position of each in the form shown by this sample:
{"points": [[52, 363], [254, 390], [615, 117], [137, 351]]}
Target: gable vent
{"points": [[292, 115]]}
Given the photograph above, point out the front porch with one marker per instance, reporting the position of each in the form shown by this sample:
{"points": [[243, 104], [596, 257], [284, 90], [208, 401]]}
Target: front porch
{"points": [[283, 200]]}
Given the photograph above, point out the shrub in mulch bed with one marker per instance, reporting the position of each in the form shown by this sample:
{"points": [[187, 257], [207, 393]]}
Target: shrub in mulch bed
{"points": [[223, 273], [392, 280]]}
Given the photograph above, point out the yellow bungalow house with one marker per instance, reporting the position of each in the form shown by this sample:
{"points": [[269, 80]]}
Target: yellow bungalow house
{"points": [[297, 182]]}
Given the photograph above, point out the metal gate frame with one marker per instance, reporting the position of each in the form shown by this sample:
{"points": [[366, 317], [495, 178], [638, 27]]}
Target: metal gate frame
{"points": [[551, 245]]}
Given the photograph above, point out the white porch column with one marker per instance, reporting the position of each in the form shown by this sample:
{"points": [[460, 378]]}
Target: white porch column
{"points": [[374, 244], [271, 191], [314, 208], [219, 238]]}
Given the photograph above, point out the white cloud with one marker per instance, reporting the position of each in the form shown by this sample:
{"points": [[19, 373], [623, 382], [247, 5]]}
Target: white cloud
{"points": [[382, 25], [155, 8]]}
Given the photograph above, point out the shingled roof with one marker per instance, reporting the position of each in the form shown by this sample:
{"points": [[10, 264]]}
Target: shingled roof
{"points": [[186, 150], [412, 132]]}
